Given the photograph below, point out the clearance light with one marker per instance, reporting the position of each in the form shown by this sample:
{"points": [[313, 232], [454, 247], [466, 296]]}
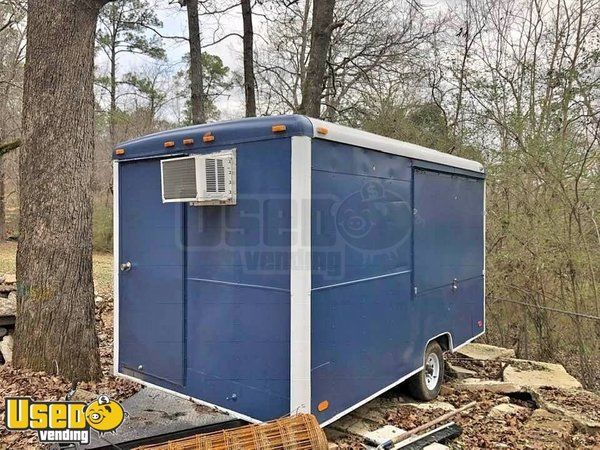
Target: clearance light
{"points": [[120, 151], [322, 130], [278, 128], [188, 141], [169, 144], [208, 137], [323, 405]]}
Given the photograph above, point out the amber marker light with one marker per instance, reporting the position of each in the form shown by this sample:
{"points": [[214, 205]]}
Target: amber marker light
{"points": [[278, 128], [188, 141], [322, 130], [323, 405], [208, 137], [169, 144], [120, 151]]}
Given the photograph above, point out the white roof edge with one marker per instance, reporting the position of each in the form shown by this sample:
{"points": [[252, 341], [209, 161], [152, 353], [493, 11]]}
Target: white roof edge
{"points": [[347, 135]]}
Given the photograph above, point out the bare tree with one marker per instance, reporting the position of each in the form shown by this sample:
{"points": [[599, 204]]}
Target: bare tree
{"points": [[196, 75], [56, 327], [322, 28], [249, 79], [11, 62]]}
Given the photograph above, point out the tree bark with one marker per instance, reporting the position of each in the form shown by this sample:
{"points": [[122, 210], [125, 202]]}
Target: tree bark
{"points": [[113, 91], [322, 28], [196, 76], [56, 327], [249, 80], [2, 202]]}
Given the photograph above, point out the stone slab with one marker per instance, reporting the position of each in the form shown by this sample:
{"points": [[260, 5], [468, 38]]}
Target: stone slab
{"points": [[484, 352], [505, 409], [384, 434], [496, 386], [536, 373], [459, 372]]}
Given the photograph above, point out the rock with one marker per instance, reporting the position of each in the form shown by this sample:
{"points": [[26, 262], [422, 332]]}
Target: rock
{"points": [[6, 288], [2, 279], [107, 318], [82, 395], [535, 373], [384, 434], [484, 352], [8, 306], [6, 347], [3, 332], [459, 372], [498, 387], [428, 406], [12, 296], [98, 300], [436, 446], [332, 446], [505, 409], [541, 421], [353, 425], [577, 405], [10, 278]]}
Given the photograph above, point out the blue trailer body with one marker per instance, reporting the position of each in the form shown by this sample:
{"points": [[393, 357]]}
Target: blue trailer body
{"points": [[345, 254]]}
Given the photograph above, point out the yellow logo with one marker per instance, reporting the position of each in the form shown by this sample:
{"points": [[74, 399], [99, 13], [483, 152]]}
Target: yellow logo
{"points": [[63, 422]]}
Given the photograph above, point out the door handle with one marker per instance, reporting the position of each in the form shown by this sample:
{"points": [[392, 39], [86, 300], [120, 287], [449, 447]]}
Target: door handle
{"points": [[125, 267], [455, 284]]}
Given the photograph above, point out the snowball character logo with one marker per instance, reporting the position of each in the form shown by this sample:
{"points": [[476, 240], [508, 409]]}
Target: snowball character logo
{"points": [[374, 219], [104, 415]]}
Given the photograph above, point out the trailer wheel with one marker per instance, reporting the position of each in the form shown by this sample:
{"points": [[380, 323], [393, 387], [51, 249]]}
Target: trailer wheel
{"points": [[426, 384]]}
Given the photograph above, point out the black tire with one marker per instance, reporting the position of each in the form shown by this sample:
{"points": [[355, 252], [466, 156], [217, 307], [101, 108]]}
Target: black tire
{"points": [[425, 386]]}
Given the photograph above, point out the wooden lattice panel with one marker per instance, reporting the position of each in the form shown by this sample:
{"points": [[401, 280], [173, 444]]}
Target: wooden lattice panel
{"points": [[300, 432]]}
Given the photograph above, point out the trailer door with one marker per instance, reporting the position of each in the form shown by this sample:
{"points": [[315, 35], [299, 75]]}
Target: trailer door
{"points": [[151, 259], [448, 251]]}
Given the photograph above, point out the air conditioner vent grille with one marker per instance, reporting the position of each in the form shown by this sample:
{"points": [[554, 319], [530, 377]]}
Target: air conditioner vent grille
{"points": [[211, 175], [179, 179], [221, 175]]}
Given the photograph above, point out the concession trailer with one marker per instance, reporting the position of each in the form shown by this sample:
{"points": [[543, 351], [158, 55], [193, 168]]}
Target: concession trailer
{"points": [[275, 265]]}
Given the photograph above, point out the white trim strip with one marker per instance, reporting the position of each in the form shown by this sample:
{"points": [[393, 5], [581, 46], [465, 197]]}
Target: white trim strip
{"points": [[300, 276], [351, 136], [371, 397], [187, 397], [228, 283], [395, 383], [116, 267], [387, 275]]}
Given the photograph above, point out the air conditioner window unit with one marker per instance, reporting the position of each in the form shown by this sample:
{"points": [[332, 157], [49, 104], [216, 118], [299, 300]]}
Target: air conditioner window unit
{"points": [[200, 179]]}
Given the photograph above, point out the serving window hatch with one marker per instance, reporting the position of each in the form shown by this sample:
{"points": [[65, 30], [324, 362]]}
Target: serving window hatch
{"points": [[200, 180]]}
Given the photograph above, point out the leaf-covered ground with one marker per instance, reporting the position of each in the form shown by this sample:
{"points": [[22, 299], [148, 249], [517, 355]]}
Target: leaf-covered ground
{"points": [[42, 386], [525, 429]]}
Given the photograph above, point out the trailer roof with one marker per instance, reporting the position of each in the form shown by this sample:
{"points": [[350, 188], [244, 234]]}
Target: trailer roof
{"points": [[260, 128]]}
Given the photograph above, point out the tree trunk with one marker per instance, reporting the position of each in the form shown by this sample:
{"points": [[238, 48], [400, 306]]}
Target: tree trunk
{"points": [[196, 77], [249, 80], [56, 327], [113, 92], [322, 28], [2, 202]]}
